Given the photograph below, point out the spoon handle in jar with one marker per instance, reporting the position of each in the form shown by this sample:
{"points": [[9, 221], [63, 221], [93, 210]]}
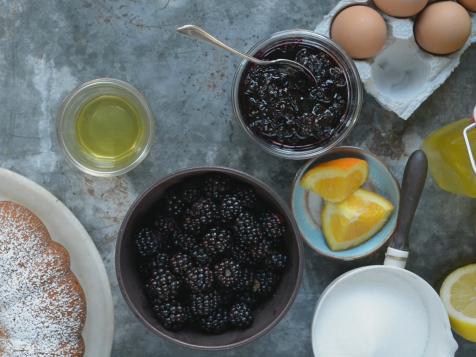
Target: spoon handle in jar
{"points": [[200, 34], [412, 186]]}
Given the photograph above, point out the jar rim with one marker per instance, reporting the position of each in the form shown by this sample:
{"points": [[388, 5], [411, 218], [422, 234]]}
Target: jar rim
{"points": [[69, 101], [354, 87]]}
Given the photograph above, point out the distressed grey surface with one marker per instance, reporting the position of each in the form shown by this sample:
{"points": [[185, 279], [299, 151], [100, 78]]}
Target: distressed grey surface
{"points": [[47, 47]]}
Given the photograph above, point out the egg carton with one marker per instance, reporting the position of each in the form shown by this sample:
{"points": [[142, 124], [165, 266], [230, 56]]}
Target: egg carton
{"points": [[402, 76]]}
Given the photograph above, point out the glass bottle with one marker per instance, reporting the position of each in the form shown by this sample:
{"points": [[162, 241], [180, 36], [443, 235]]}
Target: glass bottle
{"points": [[451, 152]]}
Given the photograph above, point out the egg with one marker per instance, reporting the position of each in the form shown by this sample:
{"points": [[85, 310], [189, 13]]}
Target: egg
{"points": [[443, 27], [360, 30], [469, 4], [401, 8]]}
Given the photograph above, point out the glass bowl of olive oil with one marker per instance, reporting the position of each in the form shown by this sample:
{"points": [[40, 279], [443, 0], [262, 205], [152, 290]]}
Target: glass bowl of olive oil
{"points": [[105, 127]]}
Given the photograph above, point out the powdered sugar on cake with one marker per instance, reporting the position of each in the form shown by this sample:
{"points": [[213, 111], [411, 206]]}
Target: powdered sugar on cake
{"points": [[42, 307]]}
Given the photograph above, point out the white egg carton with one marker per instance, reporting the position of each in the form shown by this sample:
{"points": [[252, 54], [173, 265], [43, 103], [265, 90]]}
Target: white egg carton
{"points": [[402, 75]]}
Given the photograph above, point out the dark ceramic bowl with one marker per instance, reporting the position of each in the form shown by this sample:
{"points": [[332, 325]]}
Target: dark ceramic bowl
{"points": [[266, 316]]}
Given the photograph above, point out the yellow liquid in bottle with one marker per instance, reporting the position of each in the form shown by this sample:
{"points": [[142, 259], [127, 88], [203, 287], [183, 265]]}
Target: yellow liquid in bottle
{"points": [[110, 129], [448, 158]]}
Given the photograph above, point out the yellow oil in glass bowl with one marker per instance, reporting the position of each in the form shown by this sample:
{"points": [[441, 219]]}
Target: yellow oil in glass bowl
{"points": [[109, 128], [105, 127]]}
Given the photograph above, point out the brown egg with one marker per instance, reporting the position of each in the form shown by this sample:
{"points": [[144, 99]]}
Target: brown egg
{"points": [[401, 8], [443, 27], [468, 4], [360, 30]]}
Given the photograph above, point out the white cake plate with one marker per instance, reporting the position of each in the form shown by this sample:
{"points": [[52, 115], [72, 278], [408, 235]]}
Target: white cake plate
{"points": [[86, 263]]}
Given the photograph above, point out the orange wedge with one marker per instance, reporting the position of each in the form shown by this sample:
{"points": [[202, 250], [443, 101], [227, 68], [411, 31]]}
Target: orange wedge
{"points": [[353, 221], [336, 180]]}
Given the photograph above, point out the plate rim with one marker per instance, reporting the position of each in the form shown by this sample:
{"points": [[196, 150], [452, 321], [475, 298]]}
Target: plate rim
{"points": [[87, 241]]}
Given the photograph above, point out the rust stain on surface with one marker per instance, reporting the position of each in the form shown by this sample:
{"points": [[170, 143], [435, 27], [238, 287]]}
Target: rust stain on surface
{"points": [[89, 183], [110, 237], [112, 197]]}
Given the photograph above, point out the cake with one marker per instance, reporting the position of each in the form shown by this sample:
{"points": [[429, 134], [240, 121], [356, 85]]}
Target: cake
{"points": [[42, 305]]}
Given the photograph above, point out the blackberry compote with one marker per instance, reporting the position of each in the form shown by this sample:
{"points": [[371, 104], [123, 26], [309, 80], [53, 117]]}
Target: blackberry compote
{"points": [[286, 107], [285, 112]]}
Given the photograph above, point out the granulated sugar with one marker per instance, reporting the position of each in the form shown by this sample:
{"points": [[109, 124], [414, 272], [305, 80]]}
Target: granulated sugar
{"points": [[372, 318]]}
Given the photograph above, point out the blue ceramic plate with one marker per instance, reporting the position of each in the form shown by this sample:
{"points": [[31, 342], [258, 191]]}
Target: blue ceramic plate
{"points": [[307, 206]]}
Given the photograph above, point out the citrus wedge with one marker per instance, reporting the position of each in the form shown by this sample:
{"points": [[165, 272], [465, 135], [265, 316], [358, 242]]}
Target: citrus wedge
{"points": [[458, 294], [354, 220], [336, 180]]}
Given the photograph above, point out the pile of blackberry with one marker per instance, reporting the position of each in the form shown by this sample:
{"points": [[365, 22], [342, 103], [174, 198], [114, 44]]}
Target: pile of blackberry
{"points": [[210, 254]]}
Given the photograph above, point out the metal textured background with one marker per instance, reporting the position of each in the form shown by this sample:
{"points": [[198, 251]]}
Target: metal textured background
{"points": [[47, 47]]}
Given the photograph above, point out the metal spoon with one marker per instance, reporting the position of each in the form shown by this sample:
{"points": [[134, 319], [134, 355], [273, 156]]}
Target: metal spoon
{"points": [[200, 34]]}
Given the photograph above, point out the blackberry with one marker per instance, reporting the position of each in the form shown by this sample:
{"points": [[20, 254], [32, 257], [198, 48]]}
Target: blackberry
{"points": [[165, 226], [159, 261], [183, 241], [180, 263], [191, 192], [247, 297], [217, 241], [230, 208], [226, 297], [245, 282], [247, 196], [214, 323], [264, 283], [228, 273], [259, 252], [199, 279], [192, 225], [147, 242], [163, 285], [205, 210], [216, 185], [272, 225], [240, 252], [172, 315], [276, 261], [247, 229], [174, 204], [240, 316], [205, 304], [199, 255]]}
